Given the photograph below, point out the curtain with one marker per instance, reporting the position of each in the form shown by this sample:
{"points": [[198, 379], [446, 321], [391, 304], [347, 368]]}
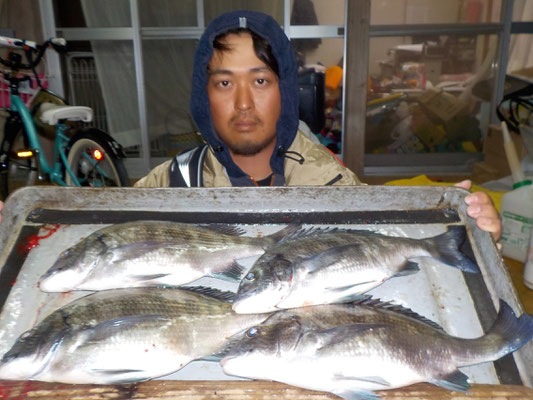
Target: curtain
{"points": [[167, 63], [520, 55]]}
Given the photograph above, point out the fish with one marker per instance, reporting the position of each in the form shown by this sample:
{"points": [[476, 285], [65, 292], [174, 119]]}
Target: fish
{"points": [[125, 335], [354, 349], [330, 266], [153, 253]]}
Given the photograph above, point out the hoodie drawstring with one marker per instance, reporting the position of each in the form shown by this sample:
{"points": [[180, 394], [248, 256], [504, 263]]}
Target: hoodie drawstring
{"points": [[286, 153]]}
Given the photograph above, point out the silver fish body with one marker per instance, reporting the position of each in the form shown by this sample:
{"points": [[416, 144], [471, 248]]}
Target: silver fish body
{"points": [[354, 350], [335, 266], [123, 335], [152, 253]]}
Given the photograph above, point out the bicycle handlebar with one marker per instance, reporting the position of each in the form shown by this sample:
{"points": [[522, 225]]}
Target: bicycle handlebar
{"points": [[30, 48], [15, 43]]}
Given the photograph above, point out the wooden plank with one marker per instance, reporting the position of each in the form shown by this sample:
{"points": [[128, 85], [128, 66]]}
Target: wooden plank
{"points": [[355, 84], [237, 390]]}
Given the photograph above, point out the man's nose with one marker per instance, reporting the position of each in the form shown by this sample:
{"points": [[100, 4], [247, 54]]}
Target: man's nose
{"points": [[243, 99]]}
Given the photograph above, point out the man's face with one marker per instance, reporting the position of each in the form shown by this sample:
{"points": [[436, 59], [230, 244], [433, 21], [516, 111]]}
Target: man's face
{"points": [[244, 97]]}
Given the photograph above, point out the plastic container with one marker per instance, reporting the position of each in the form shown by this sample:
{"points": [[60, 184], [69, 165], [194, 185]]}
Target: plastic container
{"points": [[528, 268], [516, 206], [517, 220]]}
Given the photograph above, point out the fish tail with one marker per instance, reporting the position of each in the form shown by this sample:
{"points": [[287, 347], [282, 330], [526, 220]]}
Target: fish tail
{"points": [[448, 245], [507, 334], [283, 233]]}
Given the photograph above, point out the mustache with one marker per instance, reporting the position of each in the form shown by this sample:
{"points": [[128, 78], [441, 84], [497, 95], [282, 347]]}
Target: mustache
{"points": [[245, 117]]}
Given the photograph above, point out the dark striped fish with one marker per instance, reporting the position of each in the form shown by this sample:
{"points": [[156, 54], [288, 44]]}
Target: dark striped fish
{"points": [[153, 253], [125, 335], [353, 350], [339, 265]]}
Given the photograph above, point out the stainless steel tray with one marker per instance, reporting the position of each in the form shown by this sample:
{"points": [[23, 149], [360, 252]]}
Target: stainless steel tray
{"points": [[464, 304]]}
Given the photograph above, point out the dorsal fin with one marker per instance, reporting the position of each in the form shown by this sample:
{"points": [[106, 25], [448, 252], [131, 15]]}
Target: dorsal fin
{"points": [[390, 306], [225, 296], [318, 230], [309, 231], [226, 229]]}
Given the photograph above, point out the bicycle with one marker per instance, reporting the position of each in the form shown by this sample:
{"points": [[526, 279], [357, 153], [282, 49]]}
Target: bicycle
{"points": [[81, 156]]}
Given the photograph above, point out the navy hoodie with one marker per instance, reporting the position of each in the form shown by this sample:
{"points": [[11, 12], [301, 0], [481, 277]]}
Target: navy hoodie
{"points": [[287, 125]]}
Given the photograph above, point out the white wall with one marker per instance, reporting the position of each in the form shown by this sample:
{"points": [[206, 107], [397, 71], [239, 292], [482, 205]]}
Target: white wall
{"points": [[330, 52]]}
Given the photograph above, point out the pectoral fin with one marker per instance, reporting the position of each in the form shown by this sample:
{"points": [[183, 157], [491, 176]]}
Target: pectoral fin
{"points": [[117, 371], [334, 336], [106, 329], [234, 272], [148, 278], [344, 288], [136, 250], [120, 376], [331, 256], [410, 267]]}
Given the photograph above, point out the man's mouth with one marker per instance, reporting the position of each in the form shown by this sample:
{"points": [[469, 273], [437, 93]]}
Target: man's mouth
{"points": [[244, 125]]}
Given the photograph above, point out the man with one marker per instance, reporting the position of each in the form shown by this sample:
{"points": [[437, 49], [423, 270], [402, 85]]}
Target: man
{"points": [[244, 101]]}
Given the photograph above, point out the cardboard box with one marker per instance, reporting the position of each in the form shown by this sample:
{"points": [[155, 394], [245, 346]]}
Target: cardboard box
{"points": [[494, 164], [441, 104]]}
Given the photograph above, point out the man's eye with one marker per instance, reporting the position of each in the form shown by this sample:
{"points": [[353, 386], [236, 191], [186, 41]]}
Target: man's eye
{"points": [[261, 81], [223, 83]]}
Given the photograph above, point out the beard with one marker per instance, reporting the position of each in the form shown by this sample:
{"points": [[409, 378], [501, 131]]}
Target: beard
{"points": [[246, 148]]}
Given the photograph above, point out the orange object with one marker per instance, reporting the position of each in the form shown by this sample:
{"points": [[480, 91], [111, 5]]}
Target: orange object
{"points": [[333, 77]]}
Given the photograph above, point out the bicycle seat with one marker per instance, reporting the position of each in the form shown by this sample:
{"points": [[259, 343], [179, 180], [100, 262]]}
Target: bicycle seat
{"points": [[52, 113]]}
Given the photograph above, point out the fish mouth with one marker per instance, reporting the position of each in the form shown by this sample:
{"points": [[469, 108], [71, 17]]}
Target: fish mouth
{"points": [[225, 360], [229, 362], [60, 281]]}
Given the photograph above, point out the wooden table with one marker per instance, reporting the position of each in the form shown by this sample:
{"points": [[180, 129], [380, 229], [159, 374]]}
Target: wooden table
{"points": [[239, 390]]}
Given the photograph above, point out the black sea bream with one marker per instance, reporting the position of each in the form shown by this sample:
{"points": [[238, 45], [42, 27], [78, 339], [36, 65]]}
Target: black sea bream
{"points": [[333, 266], [124, 335], [153, 253], [352, 350]]}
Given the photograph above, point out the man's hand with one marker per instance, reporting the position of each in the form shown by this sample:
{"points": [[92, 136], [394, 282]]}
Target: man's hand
{"points": [[481, 208]]}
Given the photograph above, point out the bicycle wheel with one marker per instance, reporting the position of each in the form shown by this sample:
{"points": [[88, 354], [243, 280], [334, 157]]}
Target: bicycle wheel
{"points": [[93, 158], [15, 172]]}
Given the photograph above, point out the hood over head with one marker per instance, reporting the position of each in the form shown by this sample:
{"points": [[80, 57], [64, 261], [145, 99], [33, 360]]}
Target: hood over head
{"points": [[287, 124]]}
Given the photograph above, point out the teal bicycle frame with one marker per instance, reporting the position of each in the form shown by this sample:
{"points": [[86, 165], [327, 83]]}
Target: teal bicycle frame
{"points": [[82, 156], [60, 145]]}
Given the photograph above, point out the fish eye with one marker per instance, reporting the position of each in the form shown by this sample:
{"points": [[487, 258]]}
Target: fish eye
{"points": [[25, 335], [252, 332], [250, 276]]}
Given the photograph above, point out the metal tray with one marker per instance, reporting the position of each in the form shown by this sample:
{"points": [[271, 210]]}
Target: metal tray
{"points": [[464, 304]]}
